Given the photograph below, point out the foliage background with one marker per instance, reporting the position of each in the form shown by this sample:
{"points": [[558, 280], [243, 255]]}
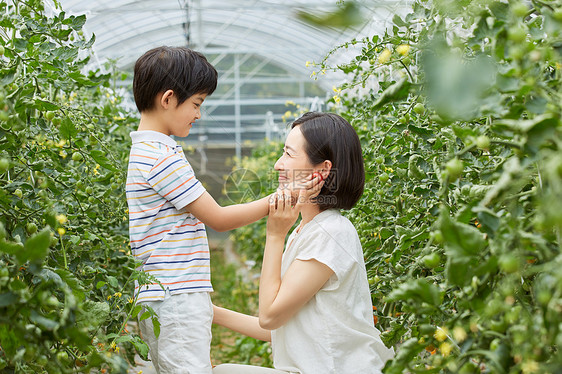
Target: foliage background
{"points": [[65, 267], [458, 109]]}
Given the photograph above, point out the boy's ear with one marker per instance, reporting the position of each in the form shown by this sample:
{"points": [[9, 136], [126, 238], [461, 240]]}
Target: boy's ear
{"points": [[166, 99]]}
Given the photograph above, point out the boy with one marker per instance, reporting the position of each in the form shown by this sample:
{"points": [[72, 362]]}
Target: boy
{"points": [[169, 208]]}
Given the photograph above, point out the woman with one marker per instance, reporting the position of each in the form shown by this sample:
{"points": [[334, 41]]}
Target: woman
{"points": [[314, 300]]}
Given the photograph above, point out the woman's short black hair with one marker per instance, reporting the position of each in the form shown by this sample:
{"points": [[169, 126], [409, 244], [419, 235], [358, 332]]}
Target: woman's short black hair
{"points": [[180, 69], [330, 137]]}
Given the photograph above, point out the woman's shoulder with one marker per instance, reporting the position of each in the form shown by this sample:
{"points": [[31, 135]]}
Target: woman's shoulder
{"points": [[333, 221]]}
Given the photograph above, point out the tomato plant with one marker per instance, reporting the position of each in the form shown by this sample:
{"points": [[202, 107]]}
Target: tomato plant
{"points": [[65, 267], [458, 108], [460, 221]]}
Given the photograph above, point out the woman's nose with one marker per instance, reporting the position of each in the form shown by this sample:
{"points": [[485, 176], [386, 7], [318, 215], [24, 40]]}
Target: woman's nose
{"points": [[278, 165]]}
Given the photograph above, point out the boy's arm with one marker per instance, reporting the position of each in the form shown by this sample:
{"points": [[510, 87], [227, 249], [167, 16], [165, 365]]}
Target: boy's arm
{"points": [[230, 217], [242, 323], [219, 218]]}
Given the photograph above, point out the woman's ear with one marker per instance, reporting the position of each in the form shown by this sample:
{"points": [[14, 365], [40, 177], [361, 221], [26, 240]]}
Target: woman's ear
{"points": [[326, 167], [166, 99]]}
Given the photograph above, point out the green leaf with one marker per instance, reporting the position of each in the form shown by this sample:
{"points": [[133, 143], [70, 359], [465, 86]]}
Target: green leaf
{"points": [[136, 311], [7, 299], [156, 326], [74, 283], [45, 105], [93, 314], [393, 336], [458, 271], [11, 248], [141, 347], [417, 289], [46, 323], [397, 91], [37, 246], [100, 158], [68, 129], [461, 240], [145, 315]]}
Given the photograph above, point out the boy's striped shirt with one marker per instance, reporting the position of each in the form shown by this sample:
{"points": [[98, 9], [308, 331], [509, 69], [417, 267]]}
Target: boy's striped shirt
{"points": [[170, 242]]}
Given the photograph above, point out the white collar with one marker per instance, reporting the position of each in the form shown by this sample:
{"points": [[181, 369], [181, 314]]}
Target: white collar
{"points": [[152, 136]]}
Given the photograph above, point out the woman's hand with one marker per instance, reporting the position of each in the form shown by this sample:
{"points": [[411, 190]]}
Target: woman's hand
{"points": [[306, 188], [283, 212]]}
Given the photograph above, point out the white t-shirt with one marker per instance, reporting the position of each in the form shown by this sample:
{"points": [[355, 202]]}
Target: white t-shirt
{"points": [[334, 332]]}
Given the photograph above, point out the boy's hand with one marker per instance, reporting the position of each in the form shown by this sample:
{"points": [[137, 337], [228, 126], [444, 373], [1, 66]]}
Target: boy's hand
{"points": [[282, 213]]}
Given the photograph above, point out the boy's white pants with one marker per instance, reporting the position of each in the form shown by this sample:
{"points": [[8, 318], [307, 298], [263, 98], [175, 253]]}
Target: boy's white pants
{"points": [[184, 344]]}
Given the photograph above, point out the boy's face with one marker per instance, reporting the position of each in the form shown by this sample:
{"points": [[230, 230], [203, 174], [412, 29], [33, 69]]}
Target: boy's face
{"points": [[183, 116]]}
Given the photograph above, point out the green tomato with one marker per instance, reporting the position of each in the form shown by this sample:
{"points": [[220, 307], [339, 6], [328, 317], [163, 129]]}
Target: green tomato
{"points": [[30, 353], [4, 116], [50, 115], [508, 263], [454, 168], [62, 357], [42, 360], [494, 344], [379, 160], [31, 228], [469, 368], [89, 190], [544, 296], [4, 165], [516, 34], [519, 9], [57, 121], [91, 199], [77, 156], [437, 236], [403, 120], [419, 108], [483, 142], [432, 260], [18, 193], [384, 177]]}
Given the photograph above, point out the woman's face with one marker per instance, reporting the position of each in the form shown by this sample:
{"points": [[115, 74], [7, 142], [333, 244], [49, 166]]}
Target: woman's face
{"points": [[294, 164]]}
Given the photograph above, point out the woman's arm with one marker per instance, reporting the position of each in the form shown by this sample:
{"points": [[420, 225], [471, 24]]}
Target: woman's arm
{"points": [[281, 298], [242, 323]]}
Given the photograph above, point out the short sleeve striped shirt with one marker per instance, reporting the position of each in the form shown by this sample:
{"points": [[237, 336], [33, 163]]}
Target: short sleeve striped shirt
{"points": [[170, 242]]}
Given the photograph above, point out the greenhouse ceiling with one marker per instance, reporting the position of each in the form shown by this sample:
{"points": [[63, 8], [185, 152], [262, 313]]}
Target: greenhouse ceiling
{"points": [[249, 41]]}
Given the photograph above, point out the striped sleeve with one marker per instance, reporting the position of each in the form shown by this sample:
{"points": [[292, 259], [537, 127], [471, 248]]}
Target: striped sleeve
{"points": [[172, 177]]}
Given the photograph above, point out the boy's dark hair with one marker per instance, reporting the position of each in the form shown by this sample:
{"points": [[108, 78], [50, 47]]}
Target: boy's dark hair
{"points": [[330, 137], [180, 69]]}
